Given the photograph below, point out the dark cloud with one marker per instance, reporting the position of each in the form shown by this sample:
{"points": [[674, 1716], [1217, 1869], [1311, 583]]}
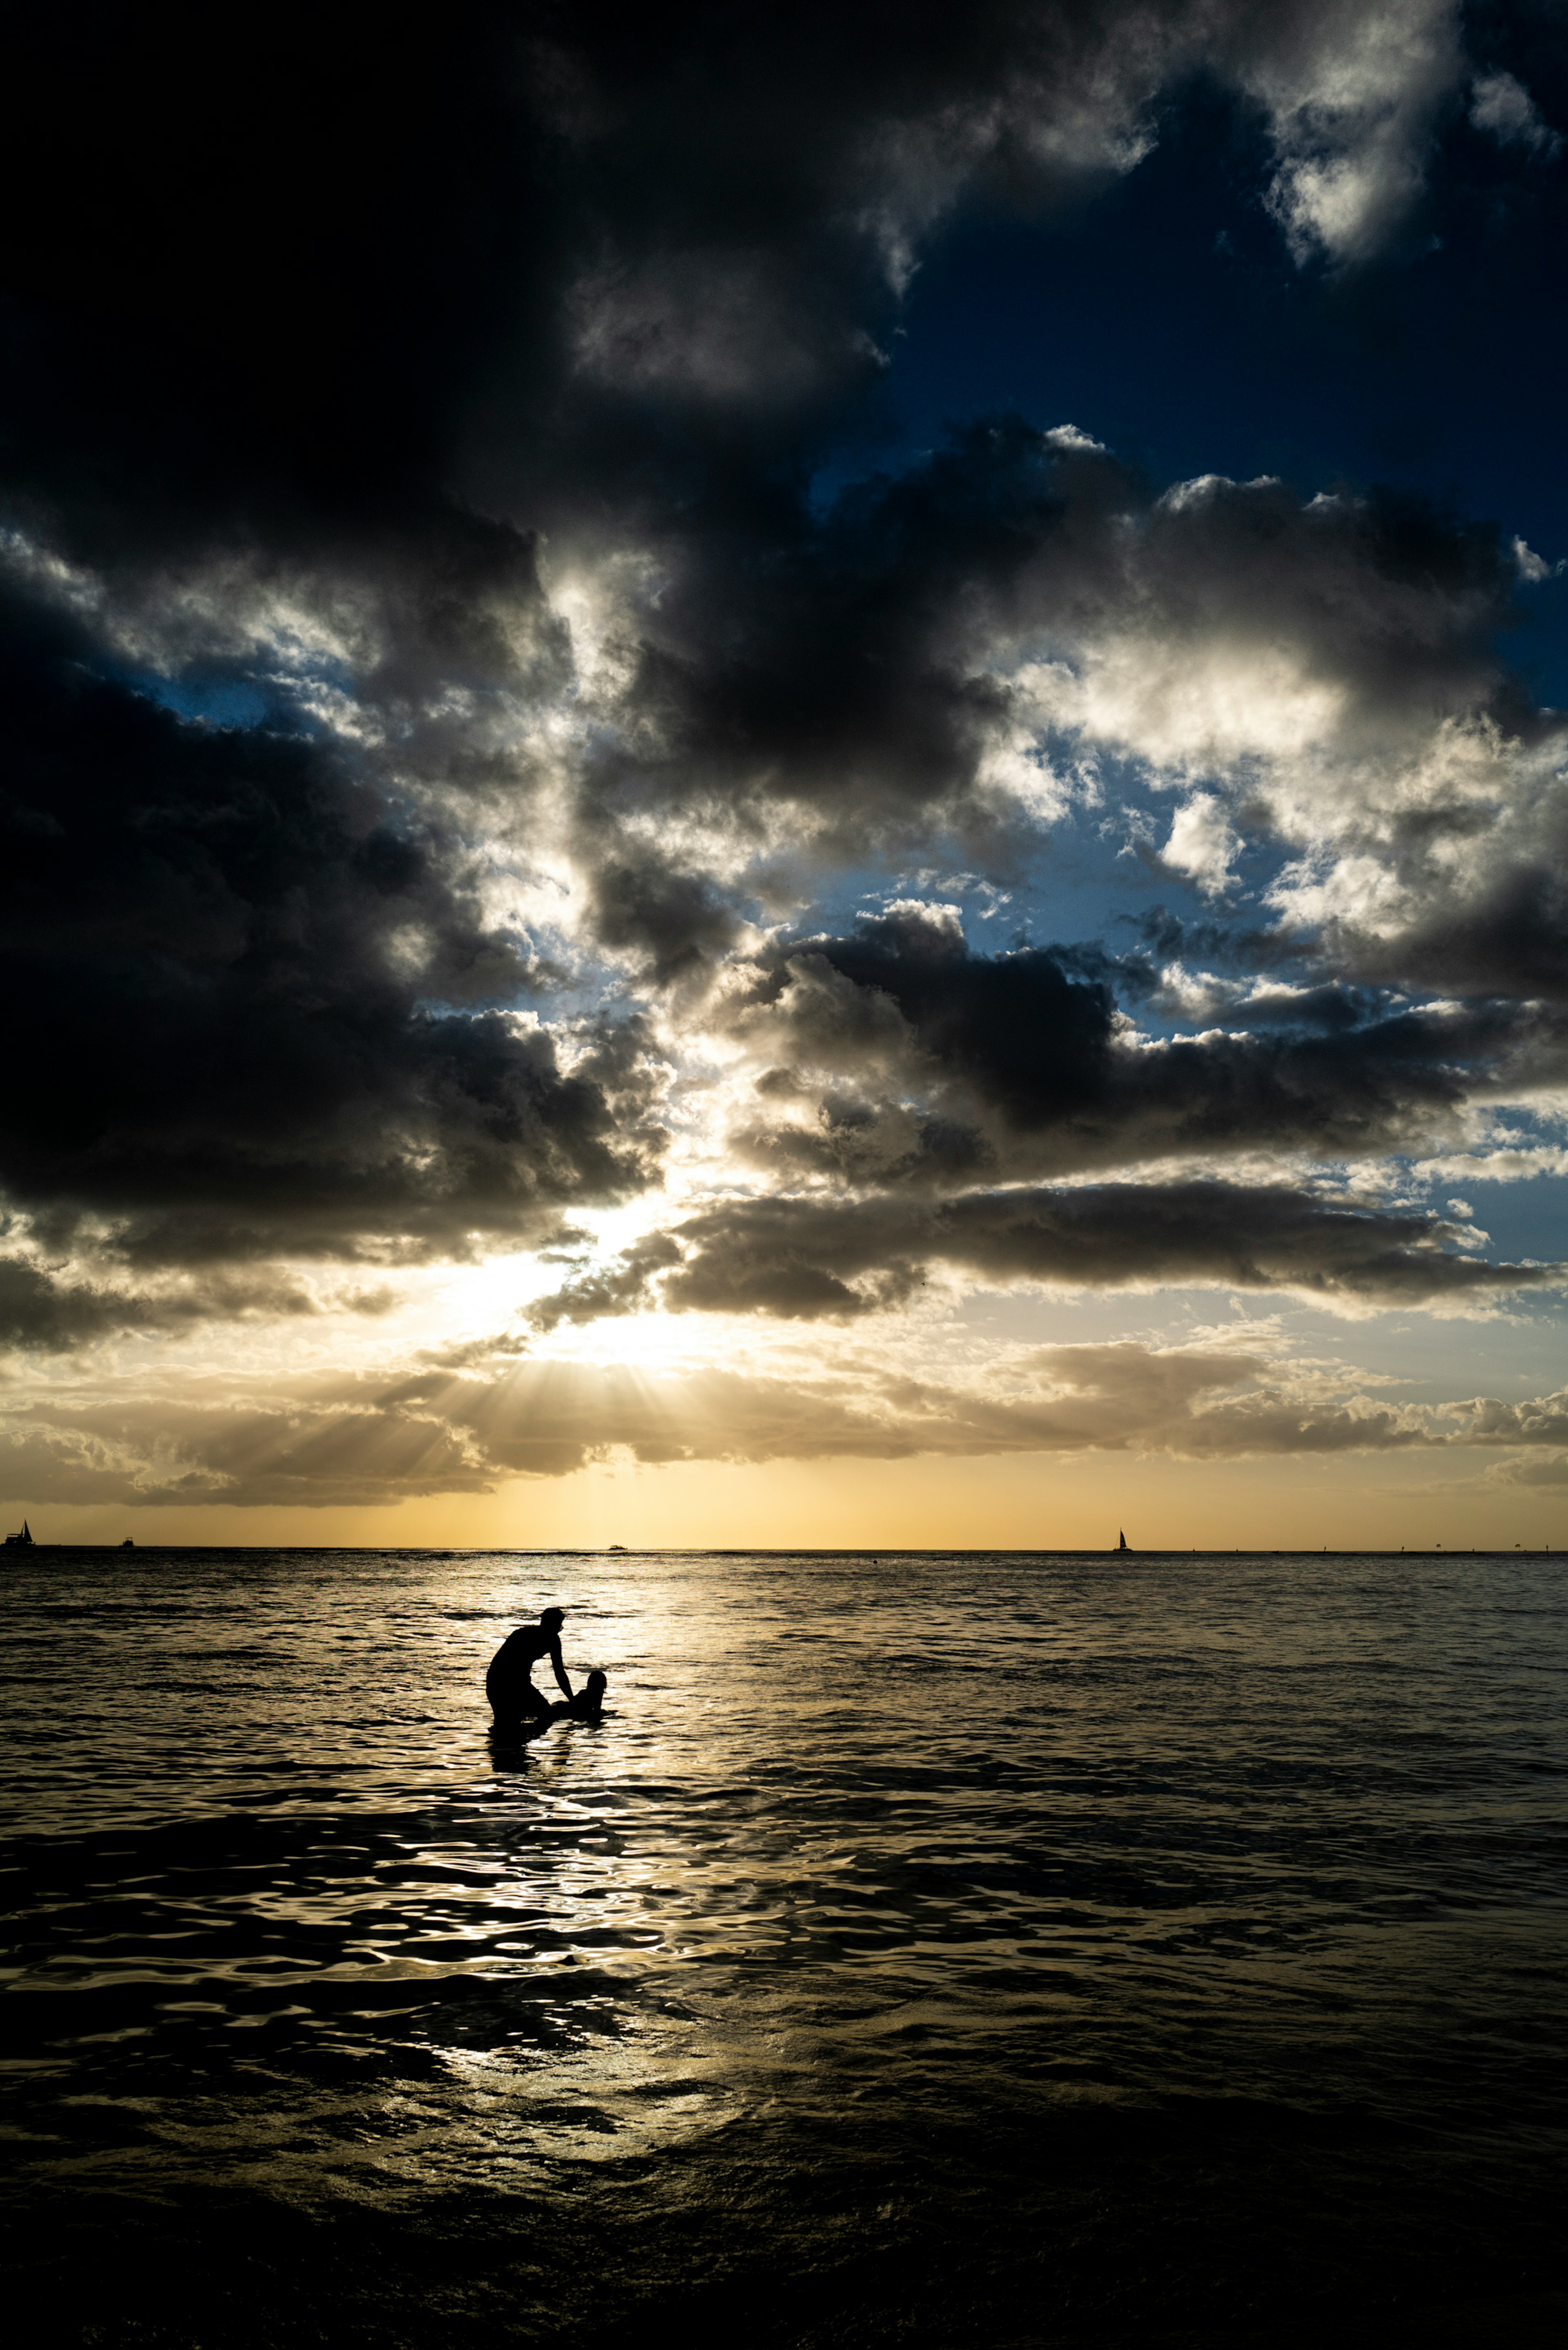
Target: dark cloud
{"points": [[872, 665], [335, 383], [1021, 1062], [440, 1430], [284, 273], [416, 244], [42, 1312], [452, 1429], [613, 278], [35, 1312], [845, 662], [598, 273], [676, 920], [1032, 1037], [1507, 934], [234, 973], [805, 1258], [1541, 1420], [166, 1448]]}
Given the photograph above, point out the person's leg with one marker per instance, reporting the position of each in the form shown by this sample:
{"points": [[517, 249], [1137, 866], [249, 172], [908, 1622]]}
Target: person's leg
{"points": [[526, 1712], [517, 1701]]}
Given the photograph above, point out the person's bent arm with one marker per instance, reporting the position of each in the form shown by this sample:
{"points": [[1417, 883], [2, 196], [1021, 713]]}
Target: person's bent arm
{"points": [[559, 1669]]}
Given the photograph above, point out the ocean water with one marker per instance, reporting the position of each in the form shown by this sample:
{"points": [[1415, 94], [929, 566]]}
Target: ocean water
{"points": [[925, 1949]]}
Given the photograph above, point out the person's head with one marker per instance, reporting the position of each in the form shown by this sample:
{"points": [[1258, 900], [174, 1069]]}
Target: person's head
{"points": [[593, 1687], [552, 1618]]}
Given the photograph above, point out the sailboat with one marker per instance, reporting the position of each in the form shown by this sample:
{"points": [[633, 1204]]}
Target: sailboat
{"points": [[24, 1541], [1121, 1539]]}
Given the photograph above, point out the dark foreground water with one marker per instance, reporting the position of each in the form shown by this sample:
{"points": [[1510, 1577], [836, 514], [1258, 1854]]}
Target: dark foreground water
{"points": [[926, 1949]]}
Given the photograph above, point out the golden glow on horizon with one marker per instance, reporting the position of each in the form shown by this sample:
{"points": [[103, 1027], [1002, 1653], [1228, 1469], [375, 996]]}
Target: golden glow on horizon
{"points": [[1007, 1502], [431, 1399]]}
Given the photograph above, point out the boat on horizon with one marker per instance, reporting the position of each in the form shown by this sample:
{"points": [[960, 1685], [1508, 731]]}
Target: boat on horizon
{"points": [[24, 1541]]}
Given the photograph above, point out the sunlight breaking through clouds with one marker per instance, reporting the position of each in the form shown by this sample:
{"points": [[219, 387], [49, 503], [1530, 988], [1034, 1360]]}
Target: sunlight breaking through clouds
{"points": [[591, 880]]}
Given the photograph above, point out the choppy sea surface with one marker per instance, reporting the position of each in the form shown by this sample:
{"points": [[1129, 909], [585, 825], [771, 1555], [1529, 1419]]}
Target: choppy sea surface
{"points": [[924, 1948]]}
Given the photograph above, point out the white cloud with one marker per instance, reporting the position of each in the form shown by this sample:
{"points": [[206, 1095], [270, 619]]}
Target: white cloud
{"points": [[1353, 93], [1533, 568], [1068, 440], [1202, 844], [1504, 109]]}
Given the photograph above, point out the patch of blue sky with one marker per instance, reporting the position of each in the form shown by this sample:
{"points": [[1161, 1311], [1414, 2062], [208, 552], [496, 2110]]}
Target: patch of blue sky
{"points": [[988, 907], [1092, 876], [1538, 646], [1524, 1217], [283, 698], [212, 700], [1165, 319]]}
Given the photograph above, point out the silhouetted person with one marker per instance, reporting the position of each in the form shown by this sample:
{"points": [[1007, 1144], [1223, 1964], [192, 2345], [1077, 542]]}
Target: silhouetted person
{"points": [[509, 1683], [589, 1705]]}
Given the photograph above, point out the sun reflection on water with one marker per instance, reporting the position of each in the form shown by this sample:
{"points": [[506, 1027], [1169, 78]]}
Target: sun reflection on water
{"points": [[849, 1834]]}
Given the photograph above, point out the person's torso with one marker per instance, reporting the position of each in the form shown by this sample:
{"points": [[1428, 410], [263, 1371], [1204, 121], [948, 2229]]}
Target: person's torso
{"points": [[523, 1652]]}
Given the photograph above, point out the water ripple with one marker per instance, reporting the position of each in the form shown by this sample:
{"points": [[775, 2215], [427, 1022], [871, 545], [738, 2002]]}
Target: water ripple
{"points": [[1037, 1835]]}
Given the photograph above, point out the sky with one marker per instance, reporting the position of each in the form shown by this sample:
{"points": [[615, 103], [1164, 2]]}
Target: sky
{"points": [[789, 776]]}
